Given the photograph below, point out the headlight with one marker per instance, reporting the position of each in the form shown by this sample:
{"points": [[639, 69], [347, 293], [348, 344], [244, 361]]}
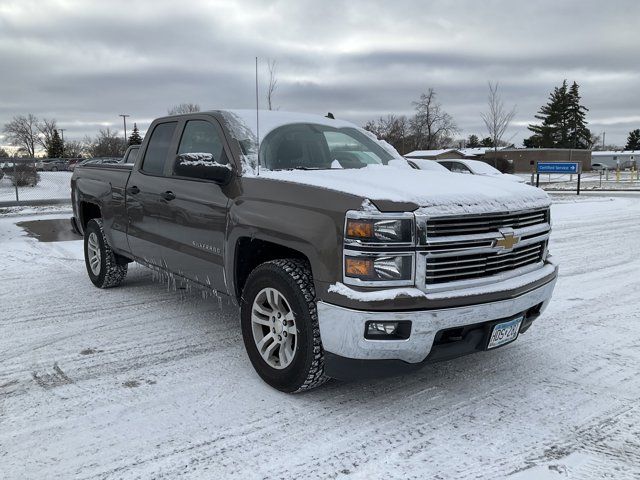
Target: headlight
{"points": [[379, 268], [379, 230], [379, 249]]}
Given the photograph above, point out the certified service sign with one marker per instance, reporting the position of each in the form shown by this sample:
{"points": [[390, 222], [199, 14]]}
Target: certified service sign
{"points": [[558, 167]]}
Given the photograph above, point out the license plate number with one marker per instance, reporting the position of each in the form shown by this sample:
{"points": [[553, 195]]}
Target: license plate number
{"points": [[504, 333]]}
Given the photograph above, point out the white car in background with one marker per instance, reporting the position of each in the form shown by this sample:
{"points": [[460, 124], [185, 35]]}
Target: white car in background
{"points": [[424, 164], [476, 167]]}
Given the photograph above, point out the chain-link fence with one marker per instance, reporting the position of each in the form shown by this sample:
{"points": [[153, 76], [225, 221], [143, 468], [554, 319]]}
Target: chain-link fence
{"points": [[28, 181]]}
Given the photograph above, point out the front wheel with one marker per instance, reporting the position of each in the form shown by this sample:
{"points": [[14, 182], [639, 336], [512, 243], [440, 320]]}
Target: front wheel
{"points": [[105, 268], [280, 326]]}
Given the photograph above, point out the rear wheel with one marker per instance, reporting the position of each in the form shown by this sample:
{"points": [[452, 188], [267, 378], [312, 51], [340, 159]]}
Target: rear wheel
{"points": [[280, 326], [105, 268]]}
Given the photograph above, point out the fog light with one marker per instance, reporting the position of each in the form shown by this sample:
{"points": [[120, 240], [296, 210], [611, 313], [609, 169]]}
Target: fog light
{"points": [[387, 330]]}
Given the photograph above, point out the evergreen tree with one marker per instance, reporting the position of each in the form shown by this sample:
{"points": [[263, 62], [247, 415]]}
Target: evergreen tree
{"points": [[473, 141], [135, 138], [579, 134], [633, 140], [54, 146], [563, 123], [487, 142]]}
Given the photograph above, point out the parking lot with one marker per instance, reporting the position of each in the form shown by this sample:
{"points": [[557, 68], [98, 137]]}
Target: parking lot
{"points": [[150, 381]]}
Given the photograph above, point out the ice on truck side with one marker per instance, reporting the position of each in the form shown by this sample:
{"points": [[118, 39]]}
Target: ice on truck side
{"points": [[345, 262]]}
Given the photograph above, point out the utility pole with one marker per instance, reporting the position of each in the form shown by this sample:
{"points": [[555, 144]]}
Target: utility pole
{"points": [[604, 134], [61, 130], [124, 119]]}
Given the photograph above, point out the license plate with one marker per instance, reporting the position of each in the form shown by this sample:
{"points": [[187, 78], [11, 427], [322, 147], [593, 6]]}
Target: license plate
{"points": [[504, 333]]}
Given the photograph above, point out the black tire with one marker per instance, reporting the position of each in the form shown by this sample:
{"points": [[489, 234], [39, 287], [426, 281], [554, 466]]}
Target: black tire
{"points": [[293, 279], [112, 267]]}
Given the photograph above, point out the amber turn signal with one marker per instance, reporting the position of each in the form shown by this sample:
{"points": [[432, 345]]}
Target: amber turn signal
{"points": [[359, 229], [356, 267]]}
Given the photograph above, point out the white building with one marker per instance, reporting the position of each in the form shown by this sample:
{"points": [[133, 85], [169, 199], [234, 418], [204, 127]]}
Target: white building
{"points": [[616, 158]]}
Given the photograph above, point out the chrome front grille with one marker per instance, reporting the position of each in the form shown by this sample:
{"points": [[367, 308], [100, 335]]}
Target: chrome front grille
{"points": [[471, 225], [442, 269], [471, 250]]}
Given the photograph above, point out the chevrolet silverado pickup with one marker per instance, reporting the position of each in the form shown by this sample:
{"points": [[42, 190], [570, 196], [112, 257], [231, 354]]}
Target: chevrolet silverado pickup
{"points": [[345, 262]]}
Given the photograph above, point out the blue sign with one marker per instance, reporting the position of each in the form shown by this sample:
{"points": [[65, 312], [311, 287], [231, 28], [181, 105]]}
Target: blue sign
{"points": [[558, 167]]}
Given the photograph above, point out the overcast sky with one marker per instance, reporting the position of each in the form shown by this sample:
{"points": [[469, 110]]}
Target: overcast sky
{"points": [[84, 62]]}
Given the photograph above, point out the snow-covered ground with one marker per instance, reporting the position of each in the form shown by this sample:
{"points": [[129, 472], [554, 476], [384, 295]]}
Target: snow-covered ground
{"points": [[52, 186], [145, 382]]}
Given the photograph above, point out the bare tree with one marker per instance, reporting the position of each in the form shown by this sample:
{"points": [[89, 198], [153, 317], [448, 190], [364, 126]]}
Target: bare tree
{"points": [[184, 108], [392, 128], [74, 149], [107, 143], [23, 132], [46, 128], [431, 126], [498, 118], [273, 83]]}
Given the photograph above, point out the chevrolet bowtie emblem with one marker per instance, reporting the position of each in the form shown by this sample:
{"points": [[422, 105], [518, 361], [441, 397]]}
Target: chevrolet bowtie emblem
{"points": [[507, 242]]}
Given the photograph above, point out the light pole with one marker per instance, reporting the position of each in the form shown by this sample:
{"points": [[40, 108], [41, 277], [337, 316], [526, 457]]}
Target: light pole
{"points": [[61, 130], [124, 119]]}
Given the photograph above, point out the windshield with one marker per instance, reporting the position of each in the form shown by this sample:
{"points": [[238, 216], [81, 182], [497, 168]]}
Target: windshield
{"points": [[309, 146], [482, 168]]}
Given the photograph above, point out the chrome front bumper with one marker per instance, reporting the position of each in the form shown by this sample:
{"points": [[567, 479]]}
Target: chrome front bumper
{"points": [[342, 329]]}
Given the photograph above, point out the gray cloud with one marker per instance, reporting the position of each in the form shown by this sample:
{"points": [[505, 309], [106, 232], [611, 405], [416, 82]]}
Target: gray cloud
{"points": [[84, 62]]}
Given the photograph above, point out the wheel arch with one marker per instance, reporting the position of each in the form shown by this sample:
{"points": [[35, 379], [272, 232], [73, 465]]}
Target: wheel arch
{"points": [[249, 252]]}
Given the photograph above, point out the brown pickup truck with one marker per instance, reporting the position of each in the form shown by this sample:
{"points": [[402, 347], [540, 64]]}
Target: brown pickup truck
{"points": [[345, 262]]}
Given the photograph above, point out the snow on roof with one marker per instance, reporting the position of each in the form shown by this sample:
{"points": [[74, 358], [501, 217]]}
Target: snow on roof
{"points": [[606, 153], [244, 127], [430, 153], [272, 119], [474, 151]]}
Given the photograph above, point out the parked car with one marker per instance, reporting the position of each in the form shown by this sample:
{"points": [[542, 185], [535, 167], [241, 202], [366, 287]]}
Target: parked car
{"points": [[600, 167], [424, 164], [52, 165], [72, 163], [476, 167], [131, 154], [99, 161], [344, 266]]}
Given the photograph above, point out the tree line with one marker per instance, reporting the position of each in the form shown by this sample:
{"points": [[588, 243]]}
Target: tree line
{"points": [[562, 124], [29, 133]]}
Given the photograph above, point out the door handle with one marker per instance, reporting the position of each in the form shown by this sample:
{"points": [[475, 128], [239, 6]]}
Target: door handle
{"points": [[168, 195], [133, 190]]}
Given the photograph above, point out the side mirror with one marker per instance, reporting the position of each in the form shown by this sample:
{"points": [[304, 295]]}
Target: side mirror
{"points": [[203, 166]]}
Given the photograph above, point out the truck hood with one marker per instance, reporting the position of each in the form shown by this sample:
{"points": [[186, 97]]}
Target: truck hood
{"points": [[432, 193]]}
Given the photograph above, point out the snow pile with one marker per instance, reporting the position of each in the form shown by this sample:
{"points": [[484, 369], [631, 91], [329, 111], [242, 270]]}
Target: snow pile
{"points": [[376, 295]]}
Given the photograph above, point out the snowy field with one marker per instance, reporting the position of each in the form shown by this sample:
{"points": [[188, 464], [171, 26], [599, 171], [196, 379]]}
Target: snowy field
{"points": [[52, 186], [144, 382]]}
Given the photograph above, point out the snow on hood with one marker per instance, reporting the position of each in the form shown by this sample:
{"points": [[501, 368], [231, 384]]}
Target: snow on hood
{"points": [[435, 193]]}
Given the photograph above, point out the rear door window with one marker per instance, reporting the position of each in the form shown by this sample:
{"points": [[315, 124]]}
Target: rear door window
{"points": [[157, 151]]}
